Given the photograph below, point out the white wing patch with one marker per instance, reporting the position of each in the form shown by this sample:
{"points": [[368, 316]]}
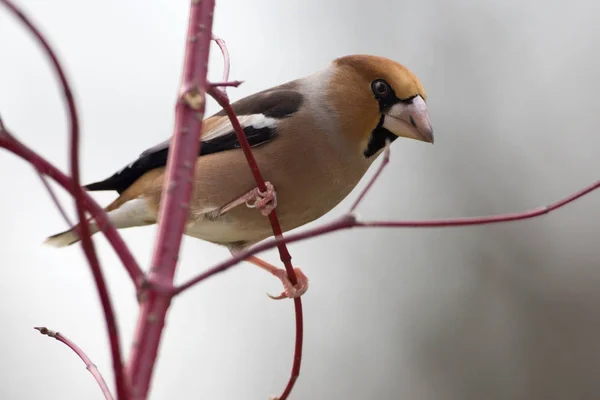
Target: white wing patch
{"points": [[259, 121], [256, 121], [222, 128]]}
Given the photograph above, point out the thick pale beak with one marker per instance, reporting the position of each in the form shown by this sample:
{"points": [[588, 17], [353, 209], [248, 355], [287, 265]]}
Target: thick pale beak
{"points": [[410, 120]]}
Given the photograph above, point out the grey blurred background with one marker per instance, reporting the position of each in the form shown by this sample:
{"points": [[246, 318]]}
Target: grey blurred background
{"points": [[495, 312]]}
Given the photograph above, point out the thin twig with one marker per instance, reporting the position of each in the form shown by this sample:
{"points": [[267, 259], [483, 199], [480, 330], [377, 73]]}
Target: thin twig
{"points": [[54, 198], [284, 254], [86, 240], [153, 310], [89, 365], [10, 143], [223, 101], [384, 163], [347, 221], [228, 84], [226, 61], [175, 197], [485, 220], [343, 222]]}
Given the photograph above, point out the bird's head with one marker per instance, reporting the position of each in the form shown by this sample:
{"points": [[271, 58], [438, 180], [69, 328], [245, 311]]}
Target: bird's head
{"points": [[378, 99]]}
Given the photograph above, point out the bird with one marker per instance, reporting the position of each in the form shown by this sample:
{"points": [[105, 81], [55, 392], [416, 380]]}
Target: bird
{"points": [[313, 138]]}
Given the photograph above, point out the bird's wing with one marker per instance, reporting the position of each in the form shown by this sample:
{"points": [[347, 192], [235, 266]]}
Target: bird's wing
{"points": [[258, 115]]}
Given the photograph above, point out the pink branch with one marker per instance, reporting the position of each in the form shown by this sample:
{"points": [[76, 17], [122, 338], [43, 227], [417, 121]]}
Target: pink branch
{"points": [[223, 101], [226, 61], [384, 163], [176, 194], [220, 95], [55, 200], [343, 222], [86, 240], [156, 293], [491, 219], [227, 84], [89, 365], [10, 143], [284, 254], [349, 220], [286, 258]]}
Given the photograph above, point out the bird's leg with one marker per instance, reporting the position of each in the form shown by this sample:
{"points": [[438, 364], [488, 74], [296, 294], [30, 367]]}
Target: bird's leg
{"points": [[265, 201], [289, 290]]}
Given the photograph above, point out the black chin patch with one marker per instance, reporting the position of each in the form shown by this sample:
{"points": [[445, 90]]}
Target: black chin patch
{"points": [[378, 138]]}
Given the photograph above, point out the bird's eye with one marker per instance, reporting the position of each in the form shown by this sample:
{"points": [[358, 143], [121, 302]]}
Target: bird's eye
{"points": [[381, 88]]}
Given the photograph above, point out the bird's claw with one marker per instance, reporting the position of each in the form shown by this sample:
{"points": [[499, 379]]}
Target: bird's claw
{"points": [[291, 291], [265, 201]]}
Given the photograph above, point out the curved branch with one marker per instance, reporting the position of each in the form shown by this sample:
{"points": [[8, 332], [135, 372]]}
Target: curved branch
{"points": [[365, 191], [86, 240], [54, 198], [349, 220], [226, 61], [43, 166], [485, 220], [284, 254], [89, 365], [176, 195]]}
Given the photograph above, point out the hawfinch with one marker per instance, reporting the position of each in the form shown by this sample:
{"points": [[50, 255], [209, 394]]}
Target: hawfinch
{"points": [[313, 138]]}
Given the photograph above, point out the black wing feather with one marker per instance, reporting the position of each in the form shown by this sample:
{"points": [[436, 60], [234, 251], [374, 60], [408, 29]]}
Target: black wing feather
{"points": [[124, 178], [278, 103]]}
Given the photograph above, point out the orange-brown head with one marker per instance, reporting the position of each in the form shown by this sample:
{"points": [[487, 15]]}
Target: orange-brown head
{"points": [[377, 99]]}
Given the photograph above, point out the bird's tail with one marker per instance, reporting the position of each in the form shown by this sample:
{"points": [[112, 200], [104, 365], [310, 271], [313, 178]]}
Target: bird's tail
{"points": [[124, 212], [67, 237]]}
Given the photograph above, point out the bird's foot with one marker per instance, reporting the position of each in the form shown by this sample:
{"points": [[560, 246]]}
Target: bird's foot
{"points": [[265, 201], [289, 290]]}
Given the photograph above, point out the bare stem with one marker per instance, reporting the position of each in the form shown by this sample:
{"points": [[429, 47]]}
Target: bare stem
{"points": [[485, 220], [89, 365], [10, 143], [384, 163], [284, 254], [227, 84], [175, 197], [86, 240], [54, 198], [343, 222], [347, 221], [226, 61], [155, 298]]}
